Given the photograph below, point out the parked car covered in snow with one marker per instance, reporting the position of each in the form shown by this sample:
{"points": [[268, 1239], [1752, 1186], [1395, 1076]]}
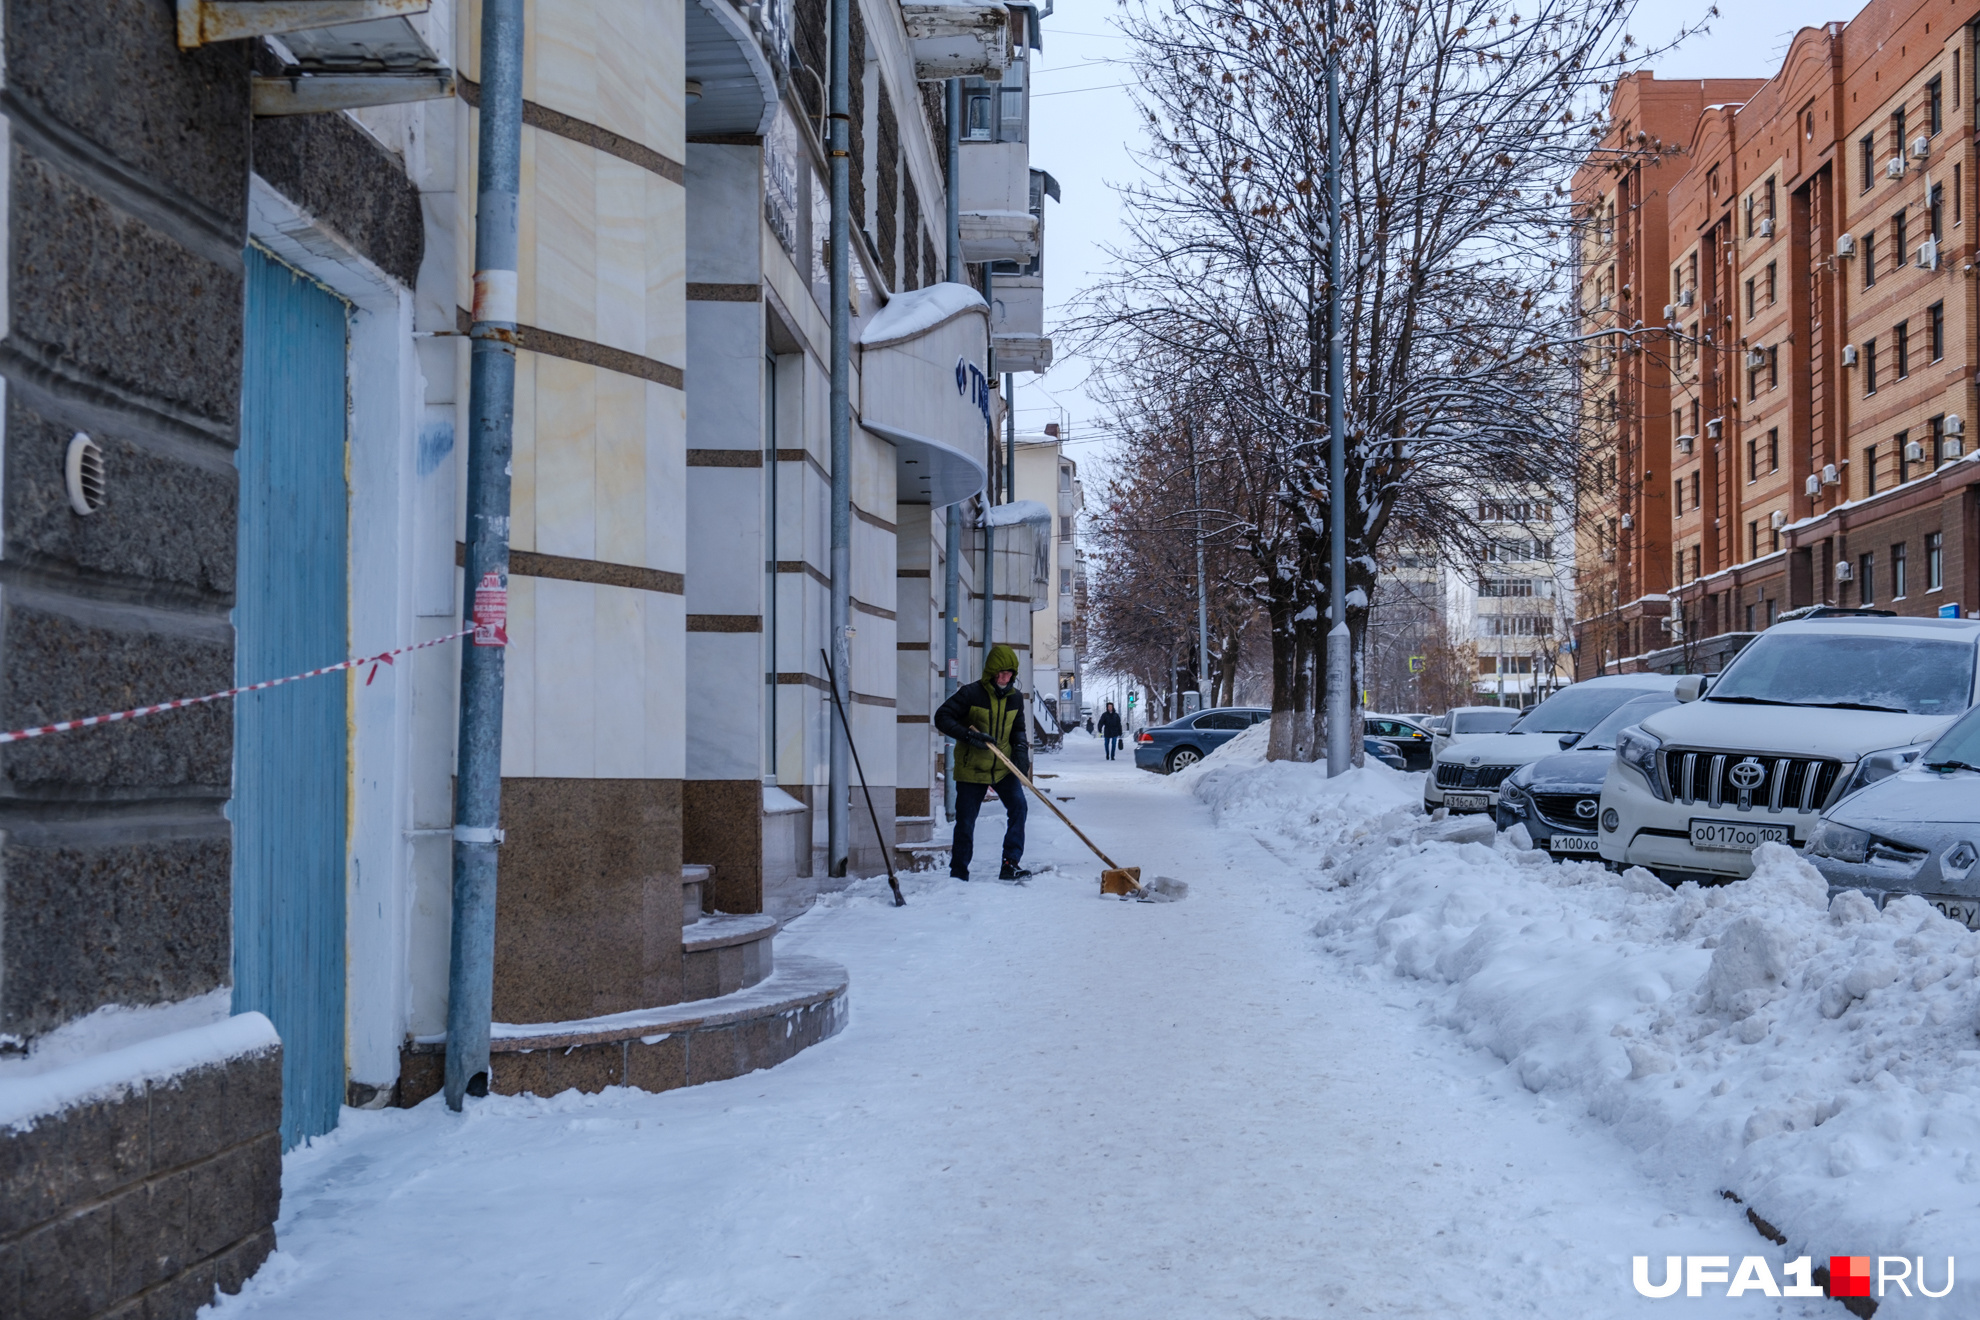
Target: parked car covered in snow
{"points": [[1471, 722], [1557, 797], [1167, 748], [1467, 772], [1809, 713], [1914, 831]]}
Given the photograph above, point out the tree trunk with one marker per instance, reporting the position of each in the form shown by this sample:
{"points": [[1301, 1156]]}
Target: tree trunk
{"points": [[1285, 682]]}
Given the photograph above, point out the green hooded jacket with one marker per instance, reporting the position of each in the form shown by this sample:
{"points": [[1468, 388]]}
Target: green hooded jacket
{"points": [[981, 707]]}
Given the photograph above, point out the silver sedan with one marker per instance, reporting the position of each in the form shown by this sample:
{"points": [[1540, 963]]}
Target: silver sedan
{"points": [[1916, 830]]}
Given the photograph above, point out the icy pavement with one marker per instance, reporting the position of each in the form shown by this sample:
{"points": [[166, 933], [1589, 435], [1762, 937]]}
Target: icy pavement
{"points": [[1045, 1104]]}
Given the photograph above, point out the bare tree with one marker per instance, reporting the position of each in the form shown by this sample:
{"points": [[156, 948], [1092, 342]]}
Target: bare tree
{"points": [[1462, 121]]}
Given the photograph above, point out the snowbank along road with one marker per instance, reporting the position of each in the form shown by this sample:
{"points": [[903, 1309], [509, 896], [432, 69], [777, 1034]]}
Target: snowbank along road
{"points": [[1357, 1071]]}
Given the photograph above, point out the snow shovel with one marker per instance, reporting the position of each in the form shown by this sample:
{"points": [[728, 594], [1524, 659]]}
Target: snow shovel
{"points": [[886, 853], [1115, 879]]}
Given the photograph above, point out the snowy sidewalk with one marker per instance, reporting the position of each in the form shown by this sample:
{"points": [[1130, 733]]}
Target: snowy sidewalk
{"points": [[1046, 1104]]}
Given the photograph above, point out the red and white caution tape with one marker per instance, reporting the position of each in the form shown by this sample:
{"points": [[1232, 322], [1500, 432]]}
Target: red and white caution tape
{"points": [[383, 657]]}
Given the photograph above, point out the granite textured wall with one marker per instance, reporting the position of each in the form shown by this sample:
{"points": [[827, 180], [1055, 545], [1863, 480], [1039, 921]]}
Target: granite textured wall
{"points": [[146, 1202]]}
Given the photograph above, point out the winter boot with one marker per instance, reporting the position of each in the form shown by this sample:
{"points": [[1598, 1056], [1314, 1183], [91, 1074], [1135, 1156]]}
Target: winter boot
{"points": [[1012, 871]]}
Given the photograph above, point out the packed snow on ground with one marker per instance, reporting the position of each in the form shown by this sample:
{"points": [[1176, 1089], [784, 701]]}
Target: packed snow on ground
{"points": [[1816, 1058], [1045, 1104]]}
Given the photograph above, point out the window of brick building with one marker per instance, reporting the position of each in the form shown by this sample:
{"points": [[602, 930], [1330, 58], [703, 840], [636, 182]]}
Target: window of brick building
{"points": [[1866, 579], [1900, 240], [1897, 131], [1935, 212], [1773, 283], [1866, 149], [1938, 438], [1935, 96], [1751, 305], [1903, 462], [1677, 496], [1901, 348], [1870, 469], [1935, 323], [1898, 584], [1773, 366], [1935, 560], [1869, 260], [1773, 449], [1770, 198], [1752, 552], [1752, 461], [1869, 366], [1695, 500], [1697, 561]]}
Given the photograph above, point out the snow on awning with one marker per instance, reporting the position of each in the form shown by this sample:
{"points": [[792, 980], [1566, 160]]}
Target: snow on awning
{"points": [[921, 386]]}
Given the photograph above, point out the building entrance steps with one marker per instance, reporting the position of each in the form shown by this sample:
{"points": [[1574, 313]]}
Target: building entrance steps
{"points": [[656, 1049], [694, 892], [913, 829], [721, 954]]}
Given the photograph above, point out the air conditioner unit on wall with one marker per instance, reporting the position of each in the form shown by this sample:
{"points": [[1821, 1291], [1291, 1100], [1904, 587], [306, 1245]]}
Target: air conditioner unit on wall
{"points": [[1895, 168], [1928, 254], [1767, 227], [1846, 245], [1628, 521], [1756, 358], [1953, 425], [1814, 486], [1670, 310], [1921, 147], [1712, 428], [1844, 572], [1777, 519], [1914, 452], [1849, 355], [1685, 298], [1685, 442], [1829, 475], [1948, 449]]}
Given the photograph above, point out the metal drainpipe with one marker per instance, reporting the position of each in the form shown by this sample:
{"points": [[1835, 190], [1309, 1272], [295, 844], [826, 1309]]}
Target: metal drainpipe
{"points": [[989, 532], [1340, 666], [838, 809], [952, 516], [491, 440], [954, 182], [1010, 435]]}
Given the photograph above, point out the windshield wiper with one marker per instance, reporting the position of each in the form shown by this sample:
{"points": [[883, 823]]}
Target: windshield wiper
{"points": [[1813, 705], [1950, 765]]}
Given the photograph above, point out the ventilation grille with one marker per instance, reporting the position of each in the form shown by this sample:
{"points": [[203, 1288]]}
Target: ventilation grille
{"points": [[84, 475]]}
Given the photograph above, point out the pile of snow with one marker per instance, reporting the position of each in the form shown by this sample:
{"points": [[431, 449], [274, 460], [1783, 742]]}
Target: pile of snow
{"points": [[1815, 1058]]}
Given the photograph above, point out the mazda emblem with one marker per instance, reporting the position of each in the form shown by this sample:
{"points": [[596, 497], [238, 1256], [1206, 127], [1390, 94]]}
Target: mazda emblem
{"points": [[1585, 808]]}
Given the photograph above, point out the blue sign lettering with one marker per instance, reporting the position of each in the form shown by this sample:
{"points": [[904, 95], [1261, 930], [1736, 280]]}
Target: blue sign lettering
{"points": [[973, 384]]}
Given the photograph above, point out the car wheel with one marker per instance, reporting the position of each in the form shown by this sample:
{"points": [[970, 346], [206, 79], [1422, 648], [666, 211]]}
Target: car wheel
{"points": [[1183, 756]]}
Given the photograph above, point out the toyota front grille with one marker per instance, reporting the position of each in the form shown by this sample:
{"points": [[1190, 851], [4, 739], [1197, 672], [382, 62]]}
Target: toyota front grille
{"points": [[1749, 781]]}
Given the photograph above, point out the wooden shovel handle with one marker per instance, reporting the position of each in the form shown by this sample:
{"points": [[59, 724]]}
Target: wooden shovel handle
{"points": [[999, 753]]}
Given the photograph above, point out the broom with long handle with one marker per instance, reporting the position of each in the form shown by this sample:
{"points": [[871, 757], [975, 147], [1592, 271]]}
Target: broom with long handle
{"points": [[1113, 880], [886, 853]]}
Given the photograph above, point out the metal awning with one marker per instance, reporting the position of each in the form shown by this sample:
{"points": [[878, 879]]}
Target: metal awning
{"points": [[959, 38], [737, 84], [337, 54]]}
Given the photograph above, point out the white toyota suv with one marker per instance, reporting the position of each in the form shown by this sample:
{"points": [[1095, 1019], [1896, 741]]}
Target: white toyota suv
{"points": [[1809, 712], [1466, 773]]}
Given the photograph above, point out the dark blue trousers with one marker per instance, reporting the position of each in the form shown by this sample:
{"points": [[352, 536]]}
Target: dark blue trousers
{"points": [[969, 801]]}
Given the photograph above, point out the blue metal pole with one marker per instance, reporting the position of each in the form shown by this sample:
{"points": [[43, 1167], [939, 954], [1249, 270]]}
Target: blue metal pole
{"points": [[838, 804], [952, 516], [491, 440], [954, 182]]}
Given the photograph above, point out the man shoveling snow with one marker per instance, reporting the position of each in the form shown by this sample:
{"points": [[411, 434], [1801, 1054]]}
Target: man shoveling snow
{"points": [[979, 715]]}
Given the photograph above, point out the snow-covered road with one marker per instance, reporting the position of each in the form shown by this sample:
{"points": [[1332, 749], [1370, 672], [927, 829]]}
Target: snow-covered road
{"points": [[1045, 1104]]}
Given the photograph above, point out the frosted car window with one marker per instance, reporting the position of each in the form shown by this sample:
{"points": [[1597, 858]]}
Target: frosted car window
{"points": [[1824, 669], [1577, 710], [1959, 743], [1484, 721]]}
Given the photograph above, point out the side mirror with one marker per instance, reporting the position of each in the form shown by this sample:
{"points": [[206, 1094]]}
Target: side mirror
{"points": [[1690, 688], [1569, 739]]}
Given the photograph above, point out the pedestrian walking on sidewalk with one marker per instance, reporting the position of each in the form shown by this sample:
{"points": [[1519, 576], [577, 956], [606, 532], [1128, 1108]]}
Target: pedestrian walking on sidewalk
{"points": [[978, 715], [1110, 729]]}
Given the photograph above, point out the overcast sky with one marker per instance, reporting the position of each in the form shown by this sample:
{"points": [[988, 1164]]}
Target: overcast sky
{"points": [[1085, 133]]}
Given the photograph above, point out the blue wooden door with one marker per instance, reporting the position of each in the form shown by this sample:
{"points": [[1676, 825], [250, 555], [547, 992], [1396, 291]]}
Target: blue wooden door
{"points": [[290, 613]]}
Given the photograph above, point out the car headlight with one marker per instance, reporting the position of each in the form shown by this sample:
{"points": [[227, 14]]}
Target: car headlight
{"points": [[1512, 798], [1882, 765], [1638, 750], [1829, 839]]}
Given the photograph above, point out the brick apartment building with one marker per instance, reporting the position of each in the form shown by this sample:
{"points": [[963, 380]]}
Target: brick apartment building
{"points": [[1786, 271]]}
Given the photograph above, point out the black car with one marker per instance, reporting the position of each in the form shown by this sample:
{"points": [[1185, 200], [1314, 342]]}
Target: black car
{"points": [[1167, 748], [1410, 739], [1558, 797]]}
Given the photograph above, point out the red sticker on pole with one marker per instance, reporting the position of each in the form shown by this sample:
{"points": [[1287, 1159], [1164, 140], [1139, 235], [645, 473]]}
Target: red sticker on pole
{"points": [[491, 612]]}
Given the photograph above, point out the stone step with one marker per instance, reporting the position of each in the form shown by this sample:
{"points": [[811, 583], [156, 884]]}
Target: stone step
{"points": [[913, 829], [721, 953], [655, 1049], [694, 892], [920, 856]]}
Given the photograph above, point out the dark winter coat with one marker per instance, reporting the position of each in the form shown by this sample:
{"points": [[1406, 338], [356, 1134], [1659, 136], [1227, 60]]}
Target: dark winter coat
{"points": [[982, 708], [1110, 724]]}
